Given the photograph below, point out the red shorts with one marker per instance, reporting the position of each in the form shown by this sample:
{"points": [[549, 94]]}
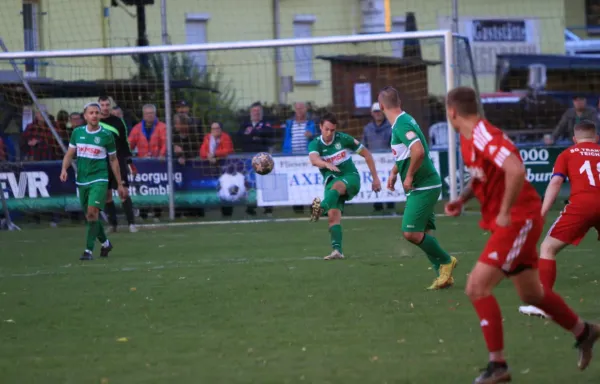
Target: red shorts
{"points": [[574, 222], [514, 248]]}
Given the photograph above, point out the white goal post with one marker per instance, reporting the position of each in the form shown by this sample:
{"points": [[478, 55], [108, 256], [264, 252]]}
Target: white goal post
{"points": [[449, 67]]}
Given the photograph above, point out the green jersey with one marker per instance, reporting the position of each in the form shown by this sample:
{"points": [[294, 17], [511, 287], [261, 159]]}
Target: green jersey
{"points": [[93, 149], [406, 132], [338, 153]]}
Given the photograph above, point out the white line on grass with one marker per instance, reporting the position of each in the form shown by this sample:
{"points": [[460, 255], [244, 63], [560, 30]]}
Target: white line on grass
{"points": [[262, 221], [199, 263]]}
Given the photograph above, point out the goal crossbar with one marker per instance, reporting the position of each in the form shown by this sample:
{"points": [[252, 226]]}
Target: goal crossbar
{"points": [[447, 36], [234, 45]]}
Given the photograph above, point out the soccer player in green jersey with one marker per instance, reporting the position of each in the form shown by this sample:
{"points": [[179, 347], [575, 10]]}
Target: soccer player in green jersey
{"points": [[93, 145], [331, 152], [422, 185]]}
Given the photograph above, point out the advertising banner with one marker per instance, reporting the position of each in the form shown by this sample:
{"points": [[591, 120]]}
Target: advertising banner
{"points": [[538, 164], [36, 185], [294, 181]]}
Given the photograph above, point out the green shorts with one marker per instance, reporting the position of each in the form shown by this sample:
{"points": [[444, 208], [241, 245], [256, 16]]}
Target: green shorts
{"points": [[419, 215], [352, 182], [93, 195]]}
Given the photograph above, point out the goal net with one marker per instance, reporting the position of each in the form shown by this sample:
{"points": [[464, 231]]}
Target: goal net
{"points": [[227, 104]]}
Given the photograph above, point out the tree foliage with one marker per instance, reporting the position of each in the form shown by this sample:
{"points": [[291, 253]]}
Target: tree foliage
{"points": [[206, 92]]}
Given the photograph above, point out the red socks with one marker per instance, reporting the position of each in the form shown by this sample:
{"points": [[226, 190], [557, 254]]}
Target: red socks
{"points": [[553, 304], [547, 273], [559, 311], [490, 318]]}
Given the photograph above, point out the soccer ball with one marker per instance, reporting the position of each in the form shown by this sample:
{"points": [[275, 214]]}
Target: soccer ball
{"points": [[262, 163]]}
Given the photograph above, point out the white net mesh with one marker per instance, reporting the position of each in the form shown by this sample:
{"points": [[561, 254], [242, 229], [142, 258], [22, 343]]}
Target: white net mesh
{"points": [[294, 85]]}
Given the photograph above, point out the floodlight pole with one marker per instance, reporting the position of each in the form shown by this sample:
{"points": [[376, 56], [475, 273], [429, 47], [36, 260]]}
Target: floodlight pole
{"points": [[168, 118]]}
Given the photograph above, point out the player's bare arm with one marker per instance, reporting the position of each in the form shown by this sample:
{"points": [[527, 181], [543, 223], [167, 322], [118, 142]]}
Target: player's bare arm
{"points": [[467, 193], [67, 160], [316, 160], [514, 179], [454, 208], [114, 165], [391, 184], [417, 155], [366, 154], [551, 194]]}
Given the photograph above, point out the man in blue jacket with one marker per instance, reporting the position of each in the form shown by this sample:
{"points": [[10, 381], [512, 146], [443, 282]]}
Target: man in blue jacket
{"points": [[299, 131]]}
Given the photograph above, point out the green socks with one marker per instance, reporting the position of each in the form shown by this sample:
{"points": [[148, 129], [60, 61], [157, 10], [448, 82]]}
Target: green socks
{"points": [[436, 255], [331, 196], [336, 237], [101, 233], [92, 233]]}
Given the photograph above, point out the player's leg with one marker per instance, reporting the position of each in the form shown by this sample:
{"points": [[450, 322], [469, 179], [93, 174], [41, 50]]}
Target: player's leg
{"points": [[334, 214], [127, 204], [547, 265], [447, 263], [569, 228], [96, 200], [83, 201], [480, 284], [509, 250], [331, 196], [521, 264], [109, 208], [417, 224], [530, 290], [92, 199]]}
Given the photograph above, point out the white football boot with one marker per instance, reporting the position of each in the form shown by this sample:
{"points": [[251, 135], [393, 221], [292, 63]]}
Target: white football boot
{"points": [[334, 255], [530, 310]]}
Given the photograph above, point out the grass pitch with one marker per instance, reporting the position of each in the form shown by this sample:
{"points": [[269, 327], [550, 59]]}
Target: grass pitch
{"points": [[254, 303]]}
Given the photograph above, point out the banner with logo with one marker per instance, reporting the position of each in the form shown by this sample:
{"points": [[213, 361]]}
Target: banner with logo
{"points": [[294, 181], [538, 164], [36, 185]]}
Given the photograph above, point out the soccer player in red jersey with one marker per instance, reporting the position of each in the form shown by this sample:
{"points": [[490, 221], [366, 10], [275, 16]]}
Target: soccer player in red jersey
{"points": [[580, 164], [510, 209]]}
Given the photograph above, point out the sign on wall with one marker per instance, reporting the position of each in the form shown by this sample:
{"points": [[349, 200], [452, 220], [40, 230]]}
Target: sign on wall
{"points": [[490, 37]]}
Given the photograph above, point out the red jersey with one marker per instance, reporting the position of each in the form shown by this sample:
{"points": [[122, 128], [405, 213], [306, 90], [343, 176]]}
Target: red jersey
{"points": [[484, 154], [580, 164]]}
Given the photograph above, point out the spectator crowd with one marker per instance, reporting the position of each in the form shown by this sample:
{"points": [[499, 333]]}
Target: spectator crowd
{"points": [[192, 142]]}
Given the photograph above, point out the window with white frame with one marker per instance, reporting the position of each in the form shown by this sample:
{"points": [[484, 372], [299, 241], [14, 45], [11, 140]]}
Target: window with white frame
{"points": [[398, 25], [195, 33], [31, 34], [303, 25]]}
